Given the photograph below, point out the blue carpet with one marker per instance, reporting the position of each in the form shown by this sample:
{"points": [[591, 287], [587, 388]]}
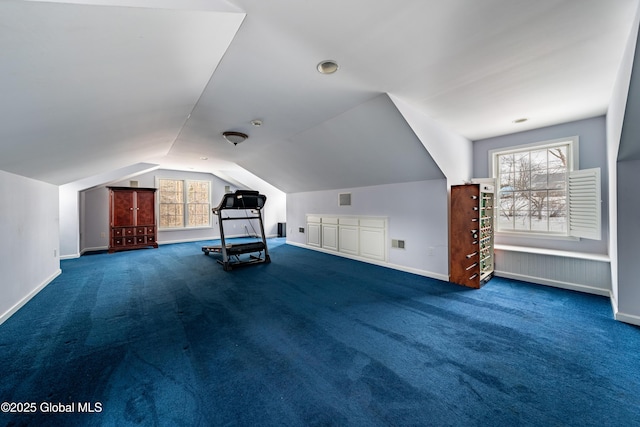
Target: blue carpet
{"points": [[166, 337]]}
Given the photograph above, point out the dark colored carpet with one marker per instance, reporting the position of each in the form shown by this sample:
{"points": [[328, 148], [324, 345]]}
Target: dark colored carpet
{"points": [[166, 337]]}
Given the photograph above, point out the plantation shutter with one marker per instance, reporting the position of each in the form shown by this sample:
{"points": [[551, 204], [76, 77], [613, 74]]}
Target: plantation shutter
{"points": [[584, 204]]}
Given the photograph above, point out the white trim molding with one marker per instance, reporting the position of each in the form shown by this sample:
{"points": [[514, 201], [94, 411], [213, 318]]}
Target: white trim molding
{"points": [[17, 306]]}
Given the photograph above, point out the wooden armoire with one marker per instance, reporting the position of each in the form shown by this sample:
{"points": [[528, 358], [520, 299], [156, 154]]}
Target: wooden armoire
{"points": [[132, 218]]}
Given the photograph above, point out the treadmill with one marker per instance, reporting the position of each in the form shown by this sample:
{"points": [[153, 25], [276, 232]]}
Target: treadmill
{"points": [[252, 202]]}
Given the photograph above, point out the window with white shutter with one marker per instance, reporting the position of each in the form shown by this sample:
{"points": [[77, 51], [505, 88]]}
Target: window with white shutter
{"points": [[540, 191]]}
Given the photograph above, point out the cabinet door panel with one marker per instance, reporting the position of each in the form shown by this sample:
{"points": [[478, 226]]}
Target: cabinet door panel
{"points": [[348, 242], [313, 235], [372, 241], [145, 208], [330, 237], [122, 209]]}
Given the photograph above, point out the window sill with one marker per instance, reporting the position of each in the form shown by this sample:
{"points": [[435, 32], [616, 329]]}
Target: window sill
{"points": [[536, 236], [554, 252], [184, 229]]}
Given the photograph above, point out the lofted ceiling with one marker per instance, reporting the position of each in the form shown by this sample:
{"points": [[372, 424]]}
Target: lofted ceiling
{"points": [[91, 86]]}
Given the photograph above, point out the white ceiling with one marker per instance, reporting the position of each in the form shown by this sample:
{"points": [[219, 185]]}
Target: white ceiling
{"points": [[90, 86]]}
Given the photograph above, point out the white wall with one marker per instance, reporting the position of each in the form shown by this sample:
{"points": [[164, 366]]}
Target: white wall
{"points": [[628, 246], [70, 210], [615, 120], [29, 254], [622, 143], [95, 210], [417, 213], [452, 153]]}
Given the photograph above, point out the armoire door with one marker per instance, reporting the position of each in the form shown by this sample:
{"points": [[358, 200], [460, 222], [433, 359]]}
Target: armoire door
{"points": [[122, 209], [145, 208]]}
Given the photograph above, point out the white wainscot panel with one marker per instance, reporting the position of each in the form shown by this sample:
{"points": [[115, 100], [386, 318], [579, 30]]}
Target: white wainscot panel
{"points": [[348, 237], [313, 234], [329, 235], [372, 243]]}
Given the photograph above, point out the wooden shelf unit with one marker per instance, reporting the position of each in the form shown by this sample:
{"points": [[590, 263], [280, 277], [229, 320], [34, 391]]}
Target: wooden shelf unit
{"points": [[132, 218], [471, 235]]}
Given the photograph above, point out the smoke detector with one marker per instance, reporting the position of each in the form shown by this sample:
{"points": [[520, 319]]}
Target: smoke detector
{"points": [[235, 138]]}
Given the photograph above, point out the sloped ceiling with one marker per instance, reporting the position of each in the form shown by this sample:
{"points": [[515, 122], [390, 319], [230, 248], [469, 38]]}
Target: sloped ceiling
{"points": [[630, 139], [95, 85], [369, 144], [86, 89]]}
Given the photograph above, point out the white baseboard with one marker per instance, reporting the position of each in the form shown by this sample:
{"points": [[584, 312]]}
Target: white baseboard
{"points": [[411, 270], [71, 256], [623, 317], [28, 297], [627, 318], [96, 249], [554, 283]]}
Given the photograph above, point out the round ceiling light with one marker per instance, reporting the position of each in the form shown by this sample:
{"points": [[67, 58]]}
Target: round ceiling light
{"points": [[327, 67], [235, 138]]}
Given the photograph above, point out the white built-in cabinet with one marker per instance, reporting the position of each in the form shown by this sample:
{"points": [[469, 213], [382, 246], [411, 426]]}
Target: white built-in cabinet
{"points": [[358, 236]]}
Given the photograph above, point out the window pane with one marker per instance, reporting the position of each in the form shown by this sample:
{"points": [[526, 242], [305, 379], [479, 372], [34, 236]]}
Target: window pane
{"points": [[522, 212], [539, 211], [522, 161], [198, 204], [505, 163], [558, 157], [198, 215], [506, 181], [171, 191], [522, 180], [171, 215], [532, 189], [558, 210], [506, 218], [171, 196], [198, 192]]}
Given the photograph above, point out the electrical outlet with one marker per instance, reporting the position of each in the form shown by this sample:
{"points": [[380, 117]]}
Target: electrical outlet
{"points": [[301, 230], [430, 251], [103, 235], [55, 253]]}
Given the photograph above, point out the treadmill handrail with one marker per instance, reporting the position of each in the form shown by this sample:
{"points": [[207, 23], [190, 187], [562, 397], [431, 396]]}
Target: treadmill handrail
{"points": [[241, 199]]}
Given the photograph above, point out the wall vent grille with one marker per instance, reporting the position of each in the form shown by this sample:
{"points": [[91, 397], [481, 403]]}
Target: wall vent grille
{"points": [[397, 244], [344, 199]]}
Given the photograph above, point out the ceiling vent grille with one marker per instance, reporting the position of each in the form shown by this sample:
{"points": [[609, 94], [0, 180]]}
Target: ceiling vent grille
{"points": [[344, 199]]}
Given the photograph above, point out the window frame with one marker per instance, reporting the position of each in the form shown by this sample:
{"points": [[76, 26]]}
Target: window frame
{"points": [[573, 164], [185, 204]]}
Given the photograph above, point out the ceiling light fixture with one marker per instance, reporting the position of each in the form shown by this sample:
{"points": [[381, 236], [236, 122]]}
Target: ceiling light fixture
{"points": [[327, 67], [235, 138], [521, 120], [257, 123]]}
